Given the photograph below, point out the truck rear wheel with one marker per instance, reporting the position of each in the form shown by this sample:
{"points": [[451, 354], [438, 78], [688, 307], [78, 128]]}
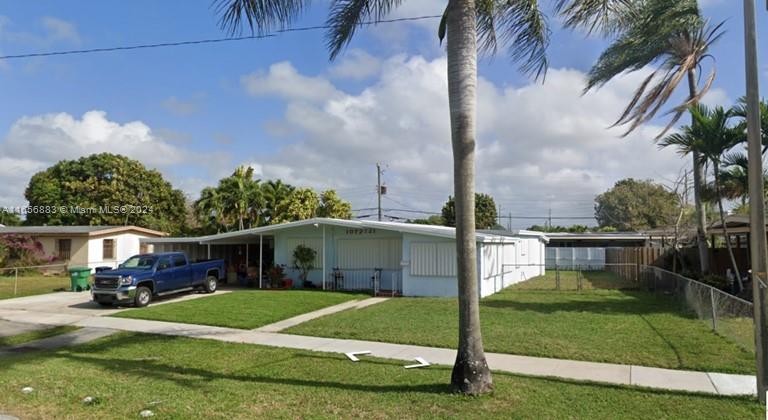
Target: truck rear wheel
{"points": [[143, 297], [211, 282]]}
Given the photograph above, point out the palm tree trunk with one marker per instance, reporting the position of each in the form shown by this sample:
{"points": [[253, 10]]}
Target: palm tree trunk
{"points": [[471, 374], [698, 182], [725, 228]]}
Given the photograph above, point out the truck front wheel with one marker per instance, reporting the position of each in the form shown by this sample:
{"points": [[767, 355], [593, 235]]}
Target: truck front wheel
{"points": [[143, 297], [210, 284]]}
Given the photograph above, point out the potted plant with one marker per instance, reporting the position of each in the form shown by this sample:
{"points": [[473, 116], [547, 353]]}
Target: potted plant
{"points": [[276, 273], [304, 259]]}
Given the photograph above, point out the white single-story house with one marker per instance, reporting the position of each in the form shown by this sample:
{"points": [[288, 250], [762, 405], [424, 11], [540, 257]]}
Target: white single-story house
{"points": [[386, 257], [91, 246]]}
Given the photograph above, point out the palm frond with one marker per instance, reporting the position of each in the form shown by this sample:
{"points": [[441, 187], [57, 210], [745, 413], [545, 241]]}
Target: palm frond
{"points": [[603, 16], [261, 16], [521, 27], [346, 16]]}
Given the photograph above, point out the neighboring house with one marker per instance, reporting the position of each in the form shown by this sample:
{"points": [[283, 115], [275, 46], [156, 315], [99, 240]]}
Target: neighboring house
{"points": [[597, 239], [91, 246], [400, 258]]}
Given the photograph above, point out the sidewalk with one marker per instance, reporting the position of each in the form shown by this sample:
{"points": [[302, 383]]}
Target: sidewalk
{"points": [[667, 379], [290, 322]]}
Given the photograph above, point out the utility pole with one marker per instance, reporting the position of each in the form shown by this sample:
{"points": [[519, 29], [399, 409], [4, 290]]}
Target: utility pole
{"points": [[550, 216], [509, 221], [758, 246], [378, 186]]}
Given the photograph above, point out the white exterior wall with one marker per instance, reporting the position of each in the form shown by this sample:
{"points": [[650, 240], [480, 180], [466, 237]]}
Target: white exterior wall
{"points": [[422, 285], [504, 264], [126, 246]]}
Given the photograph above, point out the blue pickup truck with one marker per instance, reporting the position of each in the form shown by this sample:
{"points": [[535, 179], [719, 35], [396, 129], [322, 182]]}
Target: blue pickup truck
{"points": [[141, 277]]}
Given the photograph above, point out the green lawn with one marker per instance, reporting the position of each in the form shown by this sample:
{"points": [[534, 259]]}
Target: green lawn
{"points": [[28, 285], [245, 309], [569, 281], [15, 340], [619, 326], [190, 378]]}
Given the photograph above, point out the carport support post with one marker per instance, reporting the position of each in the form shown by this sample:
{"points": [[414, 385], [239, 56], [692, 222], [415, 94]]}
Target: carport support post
{"points": [[261, 258], [209, 251], [323, 257]]}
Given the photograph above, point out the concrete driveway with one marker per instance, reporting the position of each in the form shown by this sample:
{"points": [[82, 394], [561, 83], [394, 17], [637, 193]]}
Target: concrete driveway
{"points": [[69, 307]]}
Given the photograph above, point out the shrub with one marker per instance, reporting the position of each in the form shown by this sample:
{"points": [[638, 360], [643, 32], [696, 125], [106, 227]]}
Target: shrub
{"points": [[22, 251], [276, 274], [716, 281], [303, 259]]}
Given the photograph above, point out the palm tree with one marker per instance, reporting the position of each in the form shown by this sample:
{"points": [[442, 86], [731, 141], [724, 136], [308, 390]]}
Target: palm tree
{"points": [[711, 135], [740, 110], [237, 193], [210, 209], [673, 34], [273, 196], [468, 25]]}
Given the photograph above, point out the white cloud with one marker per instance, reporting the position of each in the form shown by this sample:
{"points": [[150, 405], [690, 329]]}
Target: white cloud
{"points": [[54, 31], [60, 30], [34, 143], [717, 97], [536, 143], [356, 65], [282, 80]]}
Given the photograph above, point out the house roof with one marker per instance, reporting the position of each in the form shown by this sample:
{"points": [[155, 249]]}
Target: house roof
{"points": [[429, 230], [77, 230], [597, 236]]}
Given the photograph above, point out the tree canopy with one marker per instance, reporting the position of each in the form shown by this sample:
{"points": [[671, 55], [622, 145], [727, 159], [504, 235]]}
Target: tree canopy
{"points": [[240, 201], [9, 219], [485, 211], [632, 205], [105, 189]]}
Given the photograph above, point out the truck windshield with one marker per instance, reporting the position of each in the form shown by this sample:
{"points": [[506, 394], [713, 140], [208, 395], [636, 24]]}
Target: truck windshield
{"points": [[139, 262]]}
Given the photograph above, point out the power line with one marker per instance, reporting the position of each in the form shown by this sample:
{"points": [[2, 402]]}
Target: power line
{"points": [[205, 41]]}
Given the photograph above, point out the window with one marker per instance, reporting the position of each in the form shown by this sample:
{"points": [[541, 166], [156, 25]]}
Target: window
{"points": [[63, 249], [179, 261], [164, 263], [108, 249]]}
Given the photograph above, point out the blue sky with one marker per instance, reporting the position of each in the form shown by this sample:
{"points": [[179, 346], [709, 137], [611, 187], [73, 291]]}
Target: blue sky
{"points": [[195, 112]]}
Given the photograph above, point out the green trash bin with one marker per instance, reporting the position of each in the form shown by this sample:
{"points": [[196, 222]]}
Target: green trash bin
{"points": [[79, 278]]}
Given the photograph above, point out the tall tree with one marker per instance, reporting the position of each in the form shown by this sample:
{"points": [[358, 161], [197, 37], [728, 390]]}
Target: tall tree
{"points": [[241, 195], [712, 136], [209, 209], [485, 212], [98, 190], [9, 219], [301, 204], [632, 205], [274, 193], [518, 24], [672, 34], [331, 205]]}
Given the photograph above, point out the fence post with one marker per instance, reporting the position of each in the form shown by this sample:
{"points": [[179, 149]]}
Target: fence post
{"points": [[714, 310], [15, 281], [578, 278], [557, 277]]}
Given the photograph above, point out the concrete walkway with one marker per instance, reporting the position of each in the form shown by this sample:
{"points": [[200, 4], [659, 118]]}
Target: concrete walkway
{"points": [[668, 379], [290, 322], [73, 338]]}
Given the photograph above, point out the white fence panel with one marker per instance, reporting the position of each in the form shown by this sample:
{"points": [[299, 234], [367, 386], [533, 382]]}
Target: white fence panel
{"points": [[564, 258]]}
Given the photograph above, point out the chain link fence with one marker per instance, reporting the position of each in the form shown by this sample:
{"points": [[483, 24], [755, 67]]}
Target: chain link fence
{"points": [[33, 280], [580, 277], [727, 315]]}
